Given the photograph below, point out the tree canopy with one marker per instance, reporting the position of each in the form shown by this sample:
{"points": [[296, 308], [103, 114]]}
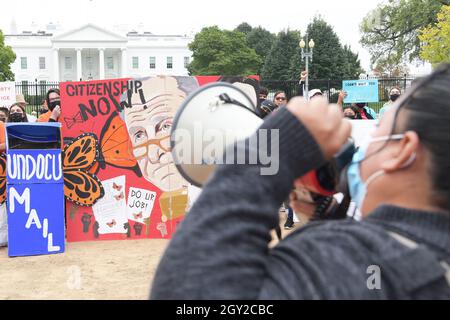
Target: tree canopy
{"points": [[391, 31], [436, 39], [7, 56], [222, 52]]}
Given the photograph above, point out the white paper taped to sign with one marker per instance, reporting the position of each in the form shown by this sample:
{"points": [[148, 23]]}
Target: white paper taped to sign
{"points": [[140, 204], [7, 94], [109, 211]]}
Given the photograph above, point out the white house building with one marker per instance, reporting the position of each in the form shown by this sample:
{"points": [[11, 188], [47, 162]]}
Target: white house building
{"points": [[92, 53]]}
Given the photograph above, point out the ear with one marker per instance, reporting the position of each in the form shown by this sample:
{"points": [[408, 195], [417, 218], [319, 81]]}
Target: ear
{"points": [[406, 149]]}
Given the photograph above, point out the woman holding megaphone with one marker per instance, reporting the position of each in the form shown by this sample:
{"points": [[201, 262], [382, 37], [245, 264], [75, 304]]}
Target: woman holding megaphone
{"points": [[399, 179]]}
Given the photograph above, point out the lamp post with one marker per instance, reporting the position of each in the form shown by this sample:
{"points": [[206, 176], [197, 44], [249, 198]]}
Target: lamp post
{"points": [[306, 55]]}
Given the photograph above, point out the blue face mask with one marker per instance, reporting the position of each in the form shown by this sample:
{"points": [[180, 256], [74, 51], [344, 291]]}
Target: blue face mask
{"points": [[357, 187]]}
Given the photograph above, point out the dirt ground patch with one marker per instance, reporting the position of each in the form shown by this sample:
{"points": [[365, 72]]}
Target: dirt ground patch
{"points": [[109, 270]]}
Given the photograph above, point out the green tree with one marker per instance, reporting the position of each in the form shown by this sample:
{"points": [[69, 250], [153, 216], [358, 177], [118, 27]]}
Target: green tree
{"points": [[436, 39], [262, 41], [7, 56], [278, 61], [391, 31], [222, 52], [244, 27], [331, 60]]}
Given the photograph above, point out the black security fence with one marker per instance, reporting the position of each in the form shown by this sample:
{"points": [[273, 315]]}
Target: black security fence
{"points": [[34, 92], [331, 88]]}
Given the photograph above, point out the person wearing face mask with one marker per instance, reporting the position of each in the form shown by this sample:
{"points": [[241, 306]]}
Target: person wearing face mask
{"points": [[44, 107], [394, 94], [54, 107], [17, 113], [400, 180]]}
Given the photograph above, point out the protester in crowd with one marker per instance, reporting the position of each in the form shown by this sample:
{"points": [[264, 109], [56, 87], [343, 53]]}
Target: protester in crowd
{"points": [[17, 113], [364, 112], [314, 93], [20, 99], [394, 94], [54, 107], [4, 112], [44, 107], [263, 93], [351, 112], [399, 180], [280, 99], [266, 108]]}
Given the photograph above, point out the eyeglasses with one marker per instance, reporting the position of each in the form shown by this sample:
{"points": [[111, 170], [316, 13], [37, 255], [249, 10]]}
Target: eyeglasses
{"points": [[280, 98], [141, 151]]}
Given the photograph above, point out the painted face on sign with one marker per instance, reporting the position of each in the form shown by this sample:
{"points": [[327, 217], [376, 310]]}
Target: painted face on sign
{"points": [[149, 126]]}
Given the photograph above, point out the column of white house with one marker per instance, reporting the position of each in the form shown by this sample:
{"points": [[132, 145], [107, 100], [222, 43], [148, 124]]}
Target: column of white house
{"points": [[101, 52], [124, 63], [79, 66], [55, 65]]}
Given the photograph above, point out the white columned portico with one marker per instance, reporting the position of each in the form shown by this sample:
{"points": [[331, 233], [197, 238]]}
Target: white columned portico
{"points": [[101, 52], [124, 63], [79, 66], [56, 64]]}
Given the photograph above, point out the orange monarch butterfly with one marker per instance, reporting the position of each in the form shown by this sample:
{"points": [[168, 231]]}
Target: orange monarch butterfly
{"points": [[81, 186], [120, 197], [115, 147], [117, 187], [112, 223], [2, 178]]}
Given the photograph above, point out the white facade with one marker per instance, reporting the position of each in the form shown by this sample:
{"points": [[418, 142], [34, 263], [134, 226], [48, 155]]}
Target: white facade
{"points": [[92, 53]]}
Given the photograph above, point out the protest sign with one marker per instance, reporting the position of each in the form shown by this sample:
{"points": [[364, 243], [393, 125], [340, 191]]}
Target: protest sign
{"points": [[7, 94], [360, 91]]}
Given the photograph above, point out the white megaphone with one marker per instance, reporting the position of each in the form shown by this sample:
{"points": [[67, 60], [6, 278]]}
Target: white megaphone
{"points": [[212, 118]]}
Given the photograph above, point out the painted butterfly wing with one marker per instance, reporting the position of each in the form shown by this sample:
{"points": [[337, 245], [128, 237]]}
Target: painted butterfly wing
{"points": [[2, 178], [81, 153], [82, 188], [115, 145]]}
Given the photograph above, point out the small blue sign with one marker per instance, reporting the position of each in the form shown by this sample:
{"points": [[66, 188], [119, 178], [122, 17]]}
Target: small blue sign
{"points": [[361, 91], [35, 224]]}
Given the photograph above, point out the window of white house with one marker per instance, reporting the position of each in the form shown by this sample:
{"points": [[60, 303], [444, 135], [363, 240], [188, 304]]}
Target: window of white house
{"points": [[110, 63], [23, 63], [68, 63], [169, 62], [135, 62], [152, 62], [42, 63], [186, 62]]}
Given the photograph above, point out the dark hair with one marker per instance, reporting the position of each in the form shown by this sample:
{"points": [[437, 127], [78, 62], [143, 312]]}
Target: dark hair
{"points": [[395, 87], [277, 93], [53, 90], [355, 110], [25, 119], [264, 91], [427, 112], [5, 110]]}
